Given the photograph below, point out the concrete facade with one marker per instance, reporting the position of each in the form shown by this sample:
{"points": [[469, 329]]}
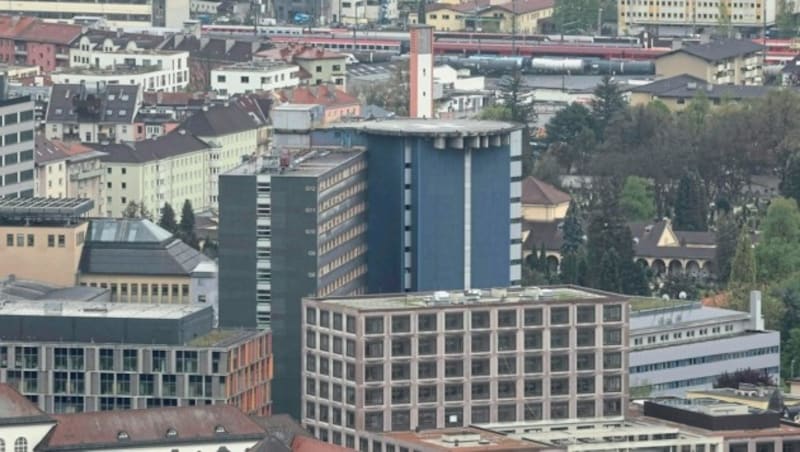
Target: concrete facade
{"points": [[17, 130], [691, 16], [683, 348], [253, 77], [120, 13], [437, 360]]}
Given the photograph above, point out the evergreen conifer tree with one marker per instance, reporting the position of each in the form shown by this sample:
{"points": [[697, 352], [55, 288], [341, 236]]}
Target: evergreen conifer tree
{"points": [[691, 206], [167, 220]]}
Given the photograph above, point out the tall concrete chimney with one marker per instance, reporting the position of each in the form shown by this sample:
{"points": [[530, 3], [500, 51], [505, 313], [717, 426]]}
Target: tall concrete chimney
{"points": [[420, 75], [756, 320]]}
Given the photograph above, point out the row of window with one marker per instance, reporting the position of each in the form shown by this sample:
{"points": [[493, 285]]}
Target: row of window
{"points": [[20, 445], [342, 175], [503, 318], [16, 177], [186, 361], [16, 157], [343, 259], [16, 117], [679, 335], [29, 240], [17, 137], [344, 280], [336, 199], [338, 240]]}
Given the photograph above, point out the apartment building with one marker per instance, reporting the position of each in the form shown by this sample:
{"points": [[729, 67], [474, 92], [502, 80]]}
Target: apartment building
{"points": [[721, 62], [72, 357], [286, 231], [693, 16], [116, 13], [233, 134], [32, 42], [93, 112], [241, 78], [319, 66], [70, 170], [166, 169], [450, 359], [154, 70], [337, 104], [678, 347], [16, 151]]}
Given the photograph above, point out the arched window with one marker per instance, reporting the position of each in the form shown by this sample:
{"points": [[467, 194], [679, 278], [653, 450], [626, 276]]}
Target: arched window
{"points": [[2, 446], [21, 445]]}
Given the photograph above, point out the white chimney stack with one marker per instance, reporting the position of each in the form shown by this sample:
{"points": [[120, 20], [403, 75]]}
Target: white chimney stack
{"points": [[756, 320], [420, 68]]}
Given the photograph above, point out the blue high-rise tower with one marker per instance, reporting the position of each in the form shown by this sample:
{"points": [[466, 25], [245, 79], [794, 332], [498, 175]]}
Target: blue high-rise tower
{"points": [[443, 202]]}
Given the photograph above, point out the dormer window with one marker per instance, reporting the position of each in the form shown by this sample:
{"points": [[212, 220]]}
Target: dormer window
{"points": [[123, 436], [220, 429], [172, 433]]}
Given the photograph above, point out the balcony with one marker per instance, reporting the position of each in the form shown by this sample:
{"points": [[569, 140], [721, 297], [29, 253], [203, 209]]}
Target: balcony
{"points": [[86, 174]]}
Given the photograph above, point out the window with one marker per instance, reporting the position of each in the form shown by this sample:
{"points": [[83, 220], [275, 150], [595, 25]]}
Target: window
{"points": [[612, 360], [373, 325], [559, 338], [186, 361], [401, 371], [559, 363], [453, 368], [426, 369], [21, 444], [533, 364], [454, 321], [453, 344], [559, 316], [159, 360], [480, 319], [506, 389], [51, 241], [373, 349], [245, 79], [426, 345], [585, 361], [426, 393], [426, 322], [480, 391], [533, 388], [221, 78], [129, 360], [373, 372], [480, 342], [480, 367], [612, 336], [533, 340], [61, 240], [612, 383], [373, 422], [612, 313], [585, 337], [507, 318], [106, 359], [401, 324], [585, 408], [586, 385], [506, 342], [9, 239], [586, 314]]}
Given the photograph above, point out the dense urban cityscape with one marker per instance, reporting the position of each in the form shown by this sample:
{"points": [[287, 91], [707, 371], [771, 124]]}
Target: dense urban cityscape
{"points": [[400, 225]]}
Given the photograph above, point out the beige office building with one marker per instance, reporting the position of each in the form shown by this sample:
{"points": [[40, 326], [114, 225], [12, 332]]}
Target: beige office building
{"points": [[450, 359]]}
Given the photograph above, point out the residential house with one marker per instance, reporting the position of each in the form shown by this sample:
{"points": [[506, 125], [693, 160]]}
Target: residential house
{"points": [[523, 16], [25, 40], [167, 169], [241, 78], [719, 62], [22, 424], [210, 52], [232, 132], [93, 113], [69, 170], [678, 91], [457, 94], [338, 104], [542, 202], [319, 66]]}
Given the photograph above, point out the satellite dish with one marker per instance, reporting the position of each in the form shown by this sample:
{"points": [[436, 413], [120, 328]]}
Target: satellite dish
{"points": [[682, 295]]}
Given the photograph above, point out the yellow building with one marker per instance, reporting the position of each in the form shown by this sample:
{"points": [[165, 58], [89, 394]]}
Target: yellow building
{"points": [[722, 62], [491, 16], [542, 201], [69, 170]]}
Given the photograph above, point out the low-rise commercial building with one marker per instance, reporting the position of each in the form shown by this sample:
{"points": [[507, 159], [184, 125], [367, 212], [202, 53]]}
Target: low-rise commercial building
{"points": [[88, 356], [720, 62], [678, 346], [244, 78], [451, 359]]}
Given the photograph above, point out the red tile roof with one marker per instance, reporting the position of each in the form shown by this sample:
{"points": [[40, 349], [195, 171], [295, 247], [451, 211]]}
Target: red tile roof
{"points": [[518, 6], [200, 423], [326, 95], [14, 407], [307, 444], [12, 26], [535, 191], [51, 33], [294, 52]]}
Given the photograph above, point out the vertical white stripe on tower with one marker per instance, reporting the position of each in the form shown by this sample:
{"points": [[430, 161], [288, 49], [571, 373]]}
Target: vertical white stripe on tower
{"points": [[467, 218]]}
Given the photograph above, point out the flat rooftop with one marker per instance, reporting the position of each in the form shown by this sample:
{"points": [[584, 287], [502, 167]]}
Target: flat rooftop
{"points": [[430, 127], [44, 207], [422, 300], [34, 290], [315, 162], [707, 406], [84, 309], [257, 66], [682, 314], [462, 439], [120, 69], [224, 338]]}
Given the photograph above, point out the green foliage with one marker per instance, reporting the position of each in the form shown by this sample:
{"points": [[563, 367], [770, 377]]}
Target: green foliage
{"points": [[677, 283], [785, 19], [725, 21], [571, 16], [637, 201], [743, 268], [572, 230], [392, 95], [606, 104], [131, 210], [726, 239], [755, 377], [514, 96], [497, 112], [167, 220], [790, 182], [790, 354], [547, 169], [691, 205], [186, 227], [570, 134], [778, 250], [608, 277]]}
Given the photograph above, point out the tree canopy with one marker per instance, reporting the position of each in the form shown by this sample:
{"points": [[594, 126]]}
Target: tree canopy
{"points": [[637, 201], [167, 220]]}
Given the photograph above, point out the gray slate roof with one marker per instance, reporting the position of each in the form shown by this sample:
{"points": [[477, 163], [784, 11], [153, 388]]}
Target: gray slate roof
{"points": [[221, 120], [114, 104], [174, 143], [720, 49], [687, 87], [136, 247]]}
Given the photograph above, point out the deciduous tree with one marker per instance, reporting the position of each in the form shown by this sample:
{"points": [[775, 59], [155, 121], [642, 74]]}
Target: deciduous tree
{"points": [[637, 201]]}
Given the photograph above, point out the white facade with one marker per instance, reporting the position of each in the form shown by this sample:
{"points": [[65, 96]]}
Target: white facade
{"points": [[362, 12], [684, 15], [14, 437], [204, 6], [421, 75], [120, 13], [150, 79], [253, 77], [683, 348]]}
